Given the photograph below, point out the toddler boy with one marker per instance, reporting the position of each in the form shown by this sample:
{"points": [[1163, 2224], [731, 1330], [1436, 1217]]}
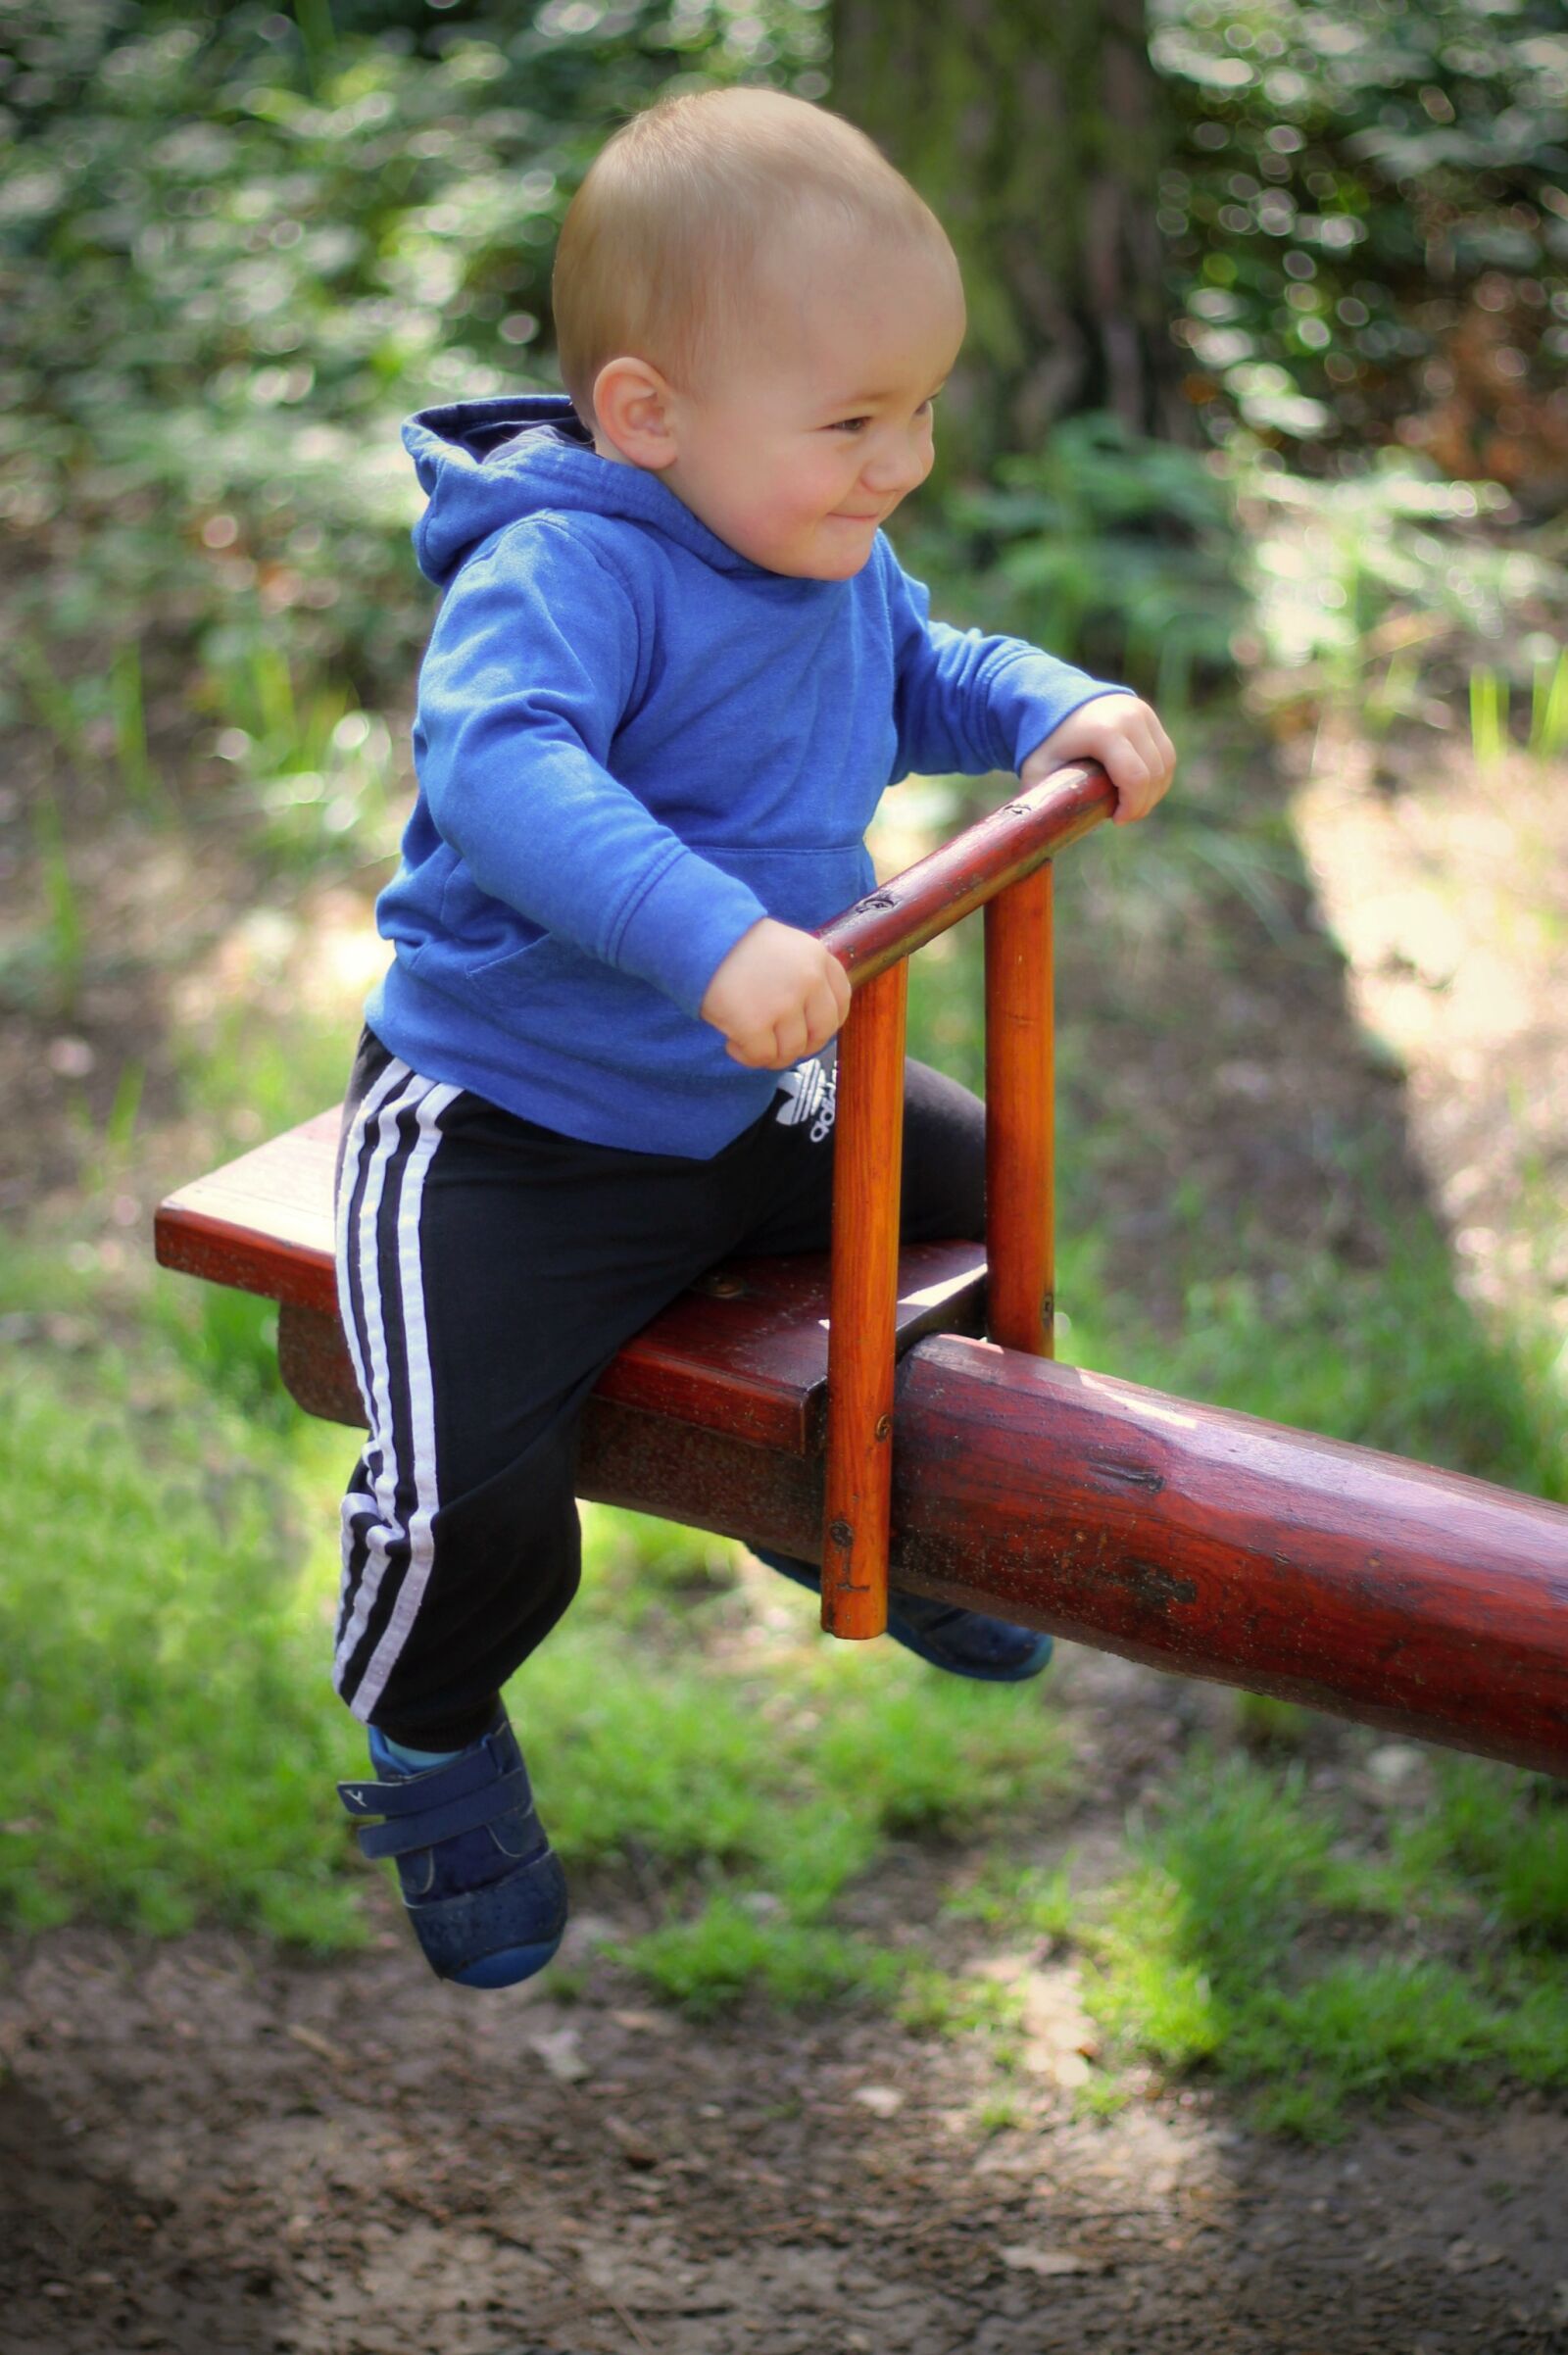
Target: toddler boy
{"points": [[675, 668]]}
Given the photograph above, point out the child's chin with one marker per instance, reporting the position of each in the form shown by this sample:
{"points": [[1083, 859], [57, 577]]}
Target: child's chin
{"points": [[830, 557], [840, 563]]}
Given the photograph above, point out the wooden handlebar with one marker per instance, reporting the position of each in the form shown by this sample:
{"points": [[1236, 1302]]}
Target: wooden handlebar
{"points": [[999, 850], [1001, 863]]}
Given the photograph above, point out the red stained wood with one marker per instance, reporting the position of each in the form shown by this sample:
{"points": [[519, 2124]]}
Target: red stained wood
{"points": [[707, 1479], [998, 850], [263, 1223], [1224, 1547], [998, 860], [867, 1175], [1020, 1100], [313, 1358], [1192, 1538], [746, 1347]]}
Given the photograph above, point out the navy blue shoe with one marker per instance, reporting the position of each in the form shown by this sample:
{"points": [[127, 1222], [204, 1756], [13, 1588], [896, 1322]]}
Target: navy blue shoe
{"points": [[483, 1887], [992, 1651]]}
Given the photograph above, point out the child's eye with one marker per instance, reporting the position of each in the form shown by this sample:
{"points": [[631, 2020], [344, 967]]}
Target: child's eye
{"points": [[851, 424]]}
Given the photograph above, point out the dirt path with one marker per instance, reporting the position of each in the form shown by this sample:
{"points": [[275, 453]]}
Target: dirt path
{"points": [[209, 2153]]}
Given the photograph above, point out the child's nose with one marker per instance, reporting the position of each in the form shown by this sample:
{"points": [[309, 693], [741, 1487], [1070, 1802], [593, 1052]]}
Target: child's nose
{"points": [[899, 464]]}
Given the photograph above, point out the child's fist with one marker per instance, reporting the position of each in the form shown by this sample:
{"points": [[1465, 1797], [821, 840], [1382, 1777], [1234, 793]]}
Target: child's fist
{"points": [[777, 997], [1125, 737]]}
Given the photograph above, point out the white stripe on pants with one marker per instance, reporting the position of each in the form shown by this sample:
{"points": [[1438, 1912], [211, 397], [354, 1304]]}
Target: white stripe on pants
{"points": [[387, 1558]]}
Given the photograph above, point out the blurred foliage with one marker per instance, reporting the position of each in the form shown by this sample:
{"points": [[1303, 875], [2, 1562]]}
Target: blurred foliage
{"points": [[234, 255], [1120, 552], [237, 245], [1368, 224], [1393, 590], [1386, 586]]}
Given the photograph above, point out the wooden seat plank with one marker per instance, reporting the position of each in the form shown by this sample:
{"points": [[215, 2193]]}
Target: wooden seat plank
{"points": [[263, 1222], [744, 1351]]}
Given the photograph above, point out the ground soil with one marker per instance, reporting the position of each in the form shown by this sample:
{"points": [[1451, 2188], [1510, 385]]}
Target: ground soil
{"points": [[208, 2147], [211, 2151]]}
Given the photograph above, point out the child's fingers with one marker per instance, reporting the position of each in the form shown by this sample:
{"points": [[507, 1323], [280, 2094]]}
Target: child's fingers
{"points": [[827, 1009], [1141, 763], [757, 1048], [775, 1047], [1129, 772], [1158, 750], [799, 1017], [790, 1042]]}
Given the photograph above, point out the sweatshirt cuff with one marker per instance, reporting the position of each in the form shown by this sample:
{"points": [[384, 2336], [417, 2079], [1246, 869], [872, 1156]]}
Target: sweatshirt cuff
{"points": [[683, 927], [1043, 716]]}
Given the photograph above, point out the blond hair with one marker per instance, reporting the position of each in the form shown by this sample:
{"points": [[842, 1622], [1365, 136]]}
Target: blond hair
{"points": [[682, 206]]}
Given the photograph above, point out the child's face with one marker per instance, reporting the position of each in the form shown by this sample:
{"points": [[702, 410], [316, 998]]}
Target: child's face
{"points": [[813, 430]]}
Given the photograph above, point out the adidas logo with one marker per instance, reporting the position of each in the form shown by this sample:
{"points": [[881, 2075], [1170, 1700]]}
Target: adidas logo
{"points": [[810, 1094]]}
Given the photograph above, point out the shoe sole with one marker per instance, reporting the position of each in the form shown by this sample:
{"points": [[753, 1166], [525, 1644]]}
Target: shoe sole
{"points": [[509, 1967], [1037, 1660]]}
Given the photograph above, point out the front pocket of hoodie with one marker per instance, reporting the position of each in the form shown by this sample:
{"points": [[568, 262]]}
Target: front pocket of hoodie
{"points": [[594, 1009], [804, 887], [552, 992]]}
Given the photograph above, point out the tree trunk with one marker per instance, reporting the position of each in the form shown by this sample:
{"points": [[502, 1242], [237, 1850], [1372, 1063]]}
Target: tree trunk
{"points": [[1034, 129]]}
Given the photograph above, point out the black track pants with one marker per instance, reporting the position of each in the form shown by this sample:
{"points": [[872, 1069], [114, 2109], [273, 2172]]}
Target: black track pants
{"points": [[488, 1271]]}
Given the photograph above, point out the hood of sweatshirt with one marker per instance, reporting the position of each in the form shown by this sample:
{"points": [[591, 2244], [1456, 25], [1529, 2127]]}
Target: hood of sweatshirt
{"points": [[485, 464]]}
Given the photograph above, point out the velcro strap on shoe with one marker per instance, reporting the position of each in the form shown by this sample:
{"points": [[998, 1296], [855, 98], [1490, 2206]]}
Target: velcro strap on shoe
{"points": [[503, 1794], [412, 1795]]}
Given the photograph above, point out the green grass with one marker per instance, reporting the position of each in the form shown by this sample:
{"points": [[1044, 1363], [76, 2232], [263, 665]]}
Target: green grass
{"points": [[754, 1800], [1390, 1357], [726, 1952], [165, 1748], [1221, 1952], [251, 1079], [172, 1756], [1507, 1836]]}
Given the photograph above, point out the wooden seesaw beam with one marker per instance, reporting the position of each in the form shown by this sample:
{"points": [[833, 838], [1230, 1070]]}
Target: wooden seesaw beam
{"points": [[1196, 1540]]}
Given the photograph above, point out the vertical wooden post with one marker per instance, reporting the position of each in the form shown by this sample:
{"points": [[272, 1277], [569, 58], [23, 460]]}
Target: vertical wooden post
{"points": [[1020, 1117], [862, 1308]]}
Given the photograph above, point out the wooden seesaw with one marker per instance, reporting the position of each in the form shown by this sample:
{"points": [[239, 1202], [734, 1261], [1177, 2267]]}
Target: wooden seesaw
{"points": [[900, 1408]]}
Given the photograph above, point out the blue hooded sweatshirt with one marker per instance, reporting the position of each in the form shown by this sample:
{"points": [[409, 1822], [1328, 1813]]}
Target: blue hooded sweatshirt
{"points": [[633, 743]]}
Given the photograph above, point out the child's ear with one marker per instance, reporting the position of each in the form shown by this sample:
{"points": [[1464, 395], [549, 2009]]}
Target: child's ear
{"points": [[632, 403]]}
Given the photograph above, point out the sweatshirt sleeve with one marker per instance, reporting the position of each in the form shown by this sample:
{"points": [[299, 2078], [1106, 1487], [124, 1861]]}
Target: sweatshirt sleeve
{"points": [[533, 661], [964, 703]]}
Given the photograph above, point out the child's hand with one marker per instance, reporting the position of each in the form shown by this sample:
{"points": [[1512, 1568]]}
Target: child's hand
{"points": [[1127, 740], [777, 997]]}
